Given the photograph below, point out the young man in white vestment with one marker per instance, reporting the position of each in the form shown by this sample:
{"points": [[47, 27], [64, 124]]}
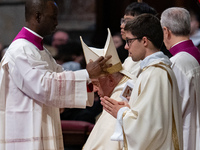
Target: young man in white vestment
{"points": [[132, 10], [152, 118], [33, 87], [175, 22]]}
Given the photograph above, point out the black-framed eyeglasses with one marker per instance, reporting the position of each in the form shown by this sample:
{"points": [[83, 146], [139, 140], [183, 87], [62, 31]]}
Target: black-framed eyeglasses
{"points": [[129, 41], [124, 21]]}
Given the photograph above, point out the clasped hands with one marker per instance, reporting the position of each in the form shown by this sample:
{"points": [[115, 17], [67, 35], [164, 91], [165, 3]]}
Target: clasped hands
{"points": [[112, 106]]}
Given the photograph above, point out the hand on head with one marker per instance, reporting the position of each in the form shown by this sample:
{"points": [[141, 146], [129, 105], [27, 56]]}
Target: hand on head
{"points": [[98, 67], [112, 106]]}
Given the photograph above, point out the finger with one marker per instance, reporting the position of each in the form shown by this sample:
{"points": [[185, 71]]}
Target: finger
{"points": [[106, 107], [121, 103], [103, 61], [105, 66], [108, 57], [112, 101], [110, 112], [102, 99], [100, 59], [107, 104]]}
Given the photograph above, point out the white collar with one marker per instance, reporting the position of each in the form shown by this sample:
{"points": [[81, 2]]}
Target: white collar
{"points": [[155, 58]]}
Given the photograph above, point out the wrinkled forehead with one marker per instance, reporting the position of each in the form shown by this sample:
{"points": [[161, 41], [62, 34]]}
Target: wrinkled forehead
{"points": [[95, 82], [100, 80]]}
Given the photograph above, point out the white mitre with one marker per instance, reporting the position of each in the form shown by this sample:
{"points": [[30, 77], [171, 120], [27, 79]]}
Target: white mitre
{"points": [[92, 53]]}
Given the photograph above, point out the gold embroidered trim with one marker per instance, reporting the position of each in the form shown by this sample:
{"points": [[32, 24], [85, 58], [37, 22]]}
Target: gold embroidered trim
{"points": [[115, 68], [159, 65], [174, 130], [125, 141], [139, 91], [123, 80]]}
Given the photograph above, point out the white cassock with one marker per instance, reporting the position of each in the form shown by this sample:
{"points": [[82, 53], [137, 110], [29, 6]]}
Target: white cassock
{"points": [[154, 102], [32, 89], [187, 71]]}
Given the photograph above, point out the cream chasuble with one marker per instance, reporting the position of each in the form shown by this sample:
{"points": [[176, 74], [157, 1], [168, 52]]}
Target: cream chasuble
{"points": [[99, 138], [32, 89], [154, 102]]}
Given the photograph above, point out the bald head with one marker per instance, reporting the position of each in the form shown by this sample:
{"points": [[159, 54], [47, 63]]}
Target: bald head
{"points": [[107, 83], [41, 16], [33, 6]]}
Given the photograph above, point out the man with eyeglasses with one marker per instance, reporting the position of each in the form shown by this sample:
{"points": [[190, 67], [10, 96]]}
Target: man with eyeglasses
{"points": [[152, 119], [100, 138], [132, 10]]}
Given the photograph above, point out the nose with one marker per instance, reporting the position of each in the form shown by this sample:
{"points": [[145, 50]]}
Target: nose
{"points": [[122, 26], [126, 46], [95, 89]]}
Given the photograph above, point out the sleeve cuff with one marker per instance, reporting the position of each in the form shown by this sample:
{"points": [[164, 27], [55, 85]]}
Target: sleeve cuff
{"points": [[118, 134]]}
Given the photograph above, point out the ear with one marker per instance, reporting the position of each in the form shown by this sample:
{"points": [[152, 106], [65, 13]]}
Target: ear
{"points": [[111, 81], [166, 33], [145, 41], [38, 16]]}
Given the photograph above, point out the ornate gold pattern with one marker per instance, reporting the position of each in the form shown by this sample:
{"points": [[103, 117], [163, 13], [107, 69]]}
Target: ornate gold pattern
{"points": [[115, 68]]}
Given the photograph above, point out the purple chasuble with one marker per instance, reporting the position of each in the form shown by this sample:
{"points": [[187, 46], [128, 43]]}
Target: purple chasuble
{"points": [[25, 34], [186, 46]]}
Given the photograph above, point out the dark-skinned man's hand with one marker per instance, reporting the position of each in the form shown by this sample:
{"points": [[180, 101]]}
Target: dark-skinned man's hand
{"points": [[98, 67]]}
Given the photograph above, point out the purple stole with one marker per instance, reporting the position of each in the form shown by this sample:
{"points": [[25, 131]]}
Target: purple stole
{"points": [[25, 34], [186, 46]]}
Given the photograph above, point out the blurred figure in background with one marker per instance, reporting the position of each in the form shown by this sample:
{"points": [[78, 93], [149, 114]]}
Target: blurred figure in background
{"points": [[70, 56], [53, 41], [119, 44], [117, 39], [195, 30], [60, 37]]}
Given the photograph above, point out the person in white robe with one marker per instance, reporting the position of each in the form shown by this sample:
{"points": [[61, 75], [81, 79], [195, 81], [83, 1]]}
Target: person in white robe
{"points": [[152, 118], [100, 137], [185, 64], [112, 86], [33, 87]]}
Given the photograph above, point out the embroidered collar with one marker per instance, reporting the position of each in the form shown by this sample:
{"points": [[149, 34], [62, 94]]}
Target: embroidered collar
{"points": [[155, 58], [186, 46], [32, 37]]}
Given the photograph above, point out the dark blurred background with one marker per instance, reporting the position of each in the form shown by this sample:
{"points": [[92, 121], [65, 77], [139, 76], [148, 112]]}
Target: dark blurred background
{"points": [[89, 18]]}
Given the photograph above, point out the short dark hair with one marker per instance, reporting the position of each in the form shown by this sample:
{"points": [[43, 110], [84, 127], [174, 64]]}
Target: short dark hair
{"points": [[136, 8], [146, 25], [32, 6]]}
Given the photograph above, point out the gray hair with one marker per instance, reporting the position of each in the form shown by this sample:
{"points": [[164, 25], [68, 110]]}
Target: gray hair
{"points": [[177, 20]]}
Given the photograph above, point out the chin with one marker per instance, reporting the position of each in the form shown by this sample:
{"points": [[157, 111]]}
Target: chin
{"points": [[123, 36], [134, 59]]}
